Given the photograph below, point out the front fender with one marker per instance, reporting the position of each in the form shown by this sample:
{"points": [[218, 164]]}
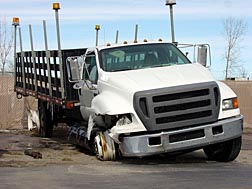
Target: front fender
{"points": [[226, 93], [111, 104]]}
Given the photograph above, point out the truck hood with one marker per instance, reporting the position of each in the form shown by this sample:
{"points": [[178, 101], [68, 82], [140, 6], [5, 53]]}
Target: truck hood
{"points": [[153, 78]]}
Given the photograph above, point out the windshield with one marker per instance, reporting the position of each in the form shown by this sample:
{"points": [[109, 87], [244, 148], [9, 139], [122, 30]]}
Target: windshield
{"points": [[141, 56]]}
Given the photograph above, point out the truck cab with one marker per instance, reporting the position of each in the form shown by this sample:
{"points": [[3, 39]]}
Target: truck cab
{"points": [[148, 98]]}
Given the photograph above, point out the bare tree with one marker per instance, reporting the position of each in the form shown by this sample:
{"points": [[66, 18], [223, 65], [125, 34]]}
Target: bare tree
{"points": [[6, 41], [233, 31], [243, 72]]}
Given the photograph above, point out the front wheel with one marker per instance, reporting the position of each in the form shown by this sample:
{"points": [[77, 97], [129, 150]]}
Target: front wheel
{"points": [[104, 147], [225, 151]]}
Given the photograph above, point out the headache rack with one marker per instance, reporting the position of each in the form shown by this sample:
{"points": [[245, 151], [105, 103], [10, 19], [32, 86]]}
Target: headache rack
{"points": [[39, 75]]}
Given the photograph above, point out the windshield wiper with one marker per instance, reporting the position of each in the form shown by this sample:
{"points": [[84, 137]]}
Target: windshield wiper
{"points": [[123, 69], [161, 65], [154, 66]]}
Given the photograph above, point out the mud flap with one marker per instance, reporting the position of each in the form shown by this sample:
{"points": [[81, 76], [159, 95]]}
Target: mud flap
{"points": [[33, 120]]}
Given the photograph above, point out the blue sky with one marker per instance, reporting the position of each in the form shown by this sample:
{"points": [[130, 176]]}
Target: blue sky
{"points": [[196, 21]]}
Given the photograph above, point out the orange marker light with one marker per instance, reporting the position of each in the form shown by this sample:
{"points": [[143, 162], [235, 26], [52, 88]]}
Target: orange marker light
{"points": [[97, 27], [56, 6], [15, 21], [235, 102]]}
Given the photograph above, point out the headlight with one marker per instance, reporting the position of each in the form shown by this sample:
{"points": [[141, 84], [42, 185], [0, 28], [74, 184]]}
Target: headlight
{"points": [[229, 104]]}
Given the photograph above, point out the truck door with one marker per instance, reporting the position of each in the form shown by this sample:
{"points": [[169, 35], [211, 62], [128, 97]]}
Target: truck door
{"points": [[89, 90]]}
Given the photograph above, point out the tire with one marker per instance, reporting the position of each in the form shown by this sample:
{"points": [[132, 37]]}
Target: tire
{"points": [[45, 119], [225, 151], [104, 147]]}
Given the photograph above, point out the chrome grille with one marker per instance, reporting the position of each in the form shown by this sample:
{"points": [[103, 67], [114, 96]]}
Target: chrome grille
{"points": [[179, 106]]}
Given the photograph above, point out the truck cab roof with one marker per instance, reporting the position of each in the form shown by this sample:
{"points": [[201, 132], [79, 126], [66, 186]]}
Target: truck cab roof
{"points": [[128, 44]]}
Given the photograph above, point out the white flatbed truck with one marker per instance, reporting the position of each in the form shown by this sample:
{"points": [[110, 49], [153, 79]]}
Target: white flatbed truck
{"points": [[132, 100]]}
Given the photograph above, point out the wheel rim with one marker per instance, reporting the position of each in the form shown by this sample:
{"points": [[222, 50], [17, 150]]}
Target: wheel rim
{"points": [[104, 147]]}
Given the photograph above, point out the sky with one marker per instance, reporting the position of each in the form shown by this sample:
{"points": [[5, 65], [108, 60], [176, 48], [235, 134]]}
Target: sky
{"points": [[195, 21]]}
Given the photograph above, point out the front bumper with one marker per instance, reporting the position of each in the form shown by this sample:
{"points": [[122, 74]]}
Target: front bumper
{"points": [[183, 139]]}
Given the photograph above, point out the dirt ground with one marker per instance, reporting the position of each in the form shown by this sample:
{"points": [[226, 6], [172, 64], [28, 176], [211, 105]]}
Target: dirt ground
{"points": [[57, 150]]}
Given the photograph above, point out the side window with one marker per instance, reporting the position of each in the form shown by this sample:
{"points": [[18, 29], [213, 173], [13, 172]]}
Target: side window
{"points": [[90, 69]]}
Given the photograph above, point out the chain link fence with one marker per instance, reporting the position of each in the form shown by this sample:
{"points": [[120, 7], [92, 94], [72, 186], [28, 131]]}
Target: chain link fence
{"points": [[11, 109]]}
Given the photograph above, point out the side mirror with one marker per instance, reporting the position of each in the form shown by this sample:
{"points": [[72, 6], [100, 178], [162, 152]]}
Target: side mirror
{"points": [[73, 69], [202, 55]]}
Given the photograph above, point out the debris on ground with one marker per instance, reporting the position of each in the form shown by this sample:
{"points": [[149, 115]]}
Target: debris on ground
{"points": [[32, 153]]}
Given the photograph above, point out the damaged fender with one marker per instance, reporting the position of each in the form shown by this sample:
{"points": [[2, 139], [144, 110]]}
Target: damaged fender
{"points": [[111, 104]]}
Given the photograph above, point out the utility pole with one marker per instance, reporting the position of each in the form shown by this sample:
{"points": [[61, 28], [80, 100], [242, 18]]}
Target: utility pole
{"points": [[171, 3]]}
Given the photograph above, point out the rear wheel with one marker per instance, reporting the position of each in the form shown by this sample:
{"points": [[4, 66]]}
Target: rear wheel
{"points": [[45, 119], [225, 151]]}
